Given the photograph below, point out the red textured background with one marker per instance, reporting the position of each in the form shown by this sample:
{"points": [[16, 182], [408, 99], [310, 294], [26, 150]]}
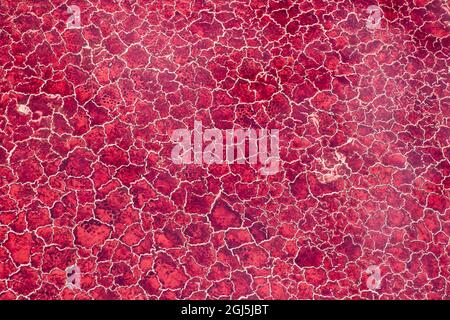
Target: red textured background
{"points": [[86, 177]]}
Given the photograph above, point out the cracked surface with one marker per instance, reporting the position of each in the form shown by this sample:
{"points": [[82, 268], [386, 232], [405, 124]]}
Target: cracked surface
{"points": [[86, 179]]}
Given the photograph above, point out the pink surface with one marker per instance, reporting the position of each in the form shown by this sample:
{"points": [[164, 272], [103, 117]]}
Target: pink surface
{"points": [[359, 208]]}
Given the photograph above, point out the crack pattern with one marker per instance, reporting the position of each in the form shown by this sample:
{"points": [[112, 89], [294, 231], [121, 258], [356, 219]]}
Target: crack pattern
{"points": [[86, 178]]}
